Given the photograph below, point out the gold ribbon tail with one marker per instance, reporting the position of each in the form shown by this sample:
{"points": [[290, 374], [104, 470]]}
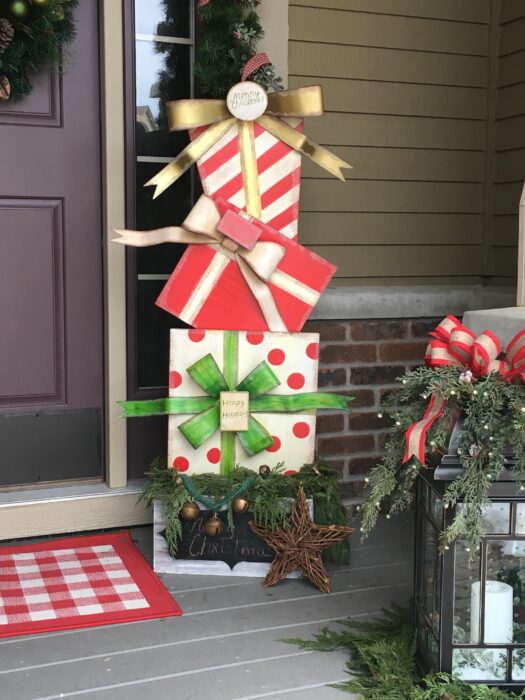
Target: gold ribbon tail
{"points": [[191, 154], [250, 173], [300, 142]]}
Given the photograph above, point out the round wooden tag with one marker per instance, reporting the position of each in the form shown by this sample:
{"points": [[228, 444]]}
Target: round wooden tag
{"points": [[247, 100]]}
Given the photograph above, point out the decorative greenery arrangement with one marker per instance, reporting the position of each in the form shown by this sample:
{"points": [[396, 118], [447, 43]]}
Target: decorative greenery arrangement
{"points": [[229, 33], [32, 34], [514, 577], [494, 420], [383, 665], [268, 494]]}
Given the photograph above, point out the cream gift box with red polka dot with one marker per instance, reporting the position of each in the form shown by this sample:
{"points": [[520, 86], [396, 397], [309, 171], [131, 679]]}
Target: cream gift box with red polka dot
{"points": [[294, 359]]}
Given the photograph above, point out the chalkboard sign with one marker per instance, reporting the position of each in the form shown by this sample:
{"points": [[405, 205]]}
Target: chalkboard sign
{"points": [[231, 546], [232, 553]]}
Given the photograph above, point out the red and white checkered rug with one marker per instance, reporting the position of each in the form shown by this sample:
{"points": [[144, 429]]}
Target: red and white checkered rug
{"points": [[78, 582]]}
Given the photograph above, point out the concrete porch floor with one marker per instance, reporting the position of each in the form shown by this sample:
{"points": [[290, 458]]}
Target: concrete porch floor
{"points": [[226, 646]]}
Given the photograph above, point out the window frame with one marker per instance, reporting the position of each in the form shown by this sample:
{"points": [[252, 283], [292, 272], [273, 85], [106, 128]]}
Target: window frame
{"points": [[134, 390]]}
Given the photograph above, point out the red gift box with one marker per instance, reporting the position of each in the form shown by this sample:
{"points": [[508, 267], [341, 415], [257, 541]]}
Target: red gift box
{"points": [[210, 287]]}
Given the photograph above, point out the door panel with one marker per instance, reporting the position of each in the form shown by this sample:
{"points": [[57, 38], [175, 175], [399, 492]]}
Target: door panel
{"points": [[42, 107], [32, 369], [51, 349]]}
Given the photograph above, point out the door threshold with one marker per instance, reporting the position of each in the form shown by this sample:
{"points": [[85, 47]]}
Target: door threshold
{"points": [[50, 484], [72, 508]]}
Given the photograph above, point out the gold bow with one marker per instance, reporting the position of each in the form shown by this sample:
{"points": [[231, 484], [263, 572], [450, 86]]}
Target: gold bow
{"points": [[190, 114], [200, 227]]}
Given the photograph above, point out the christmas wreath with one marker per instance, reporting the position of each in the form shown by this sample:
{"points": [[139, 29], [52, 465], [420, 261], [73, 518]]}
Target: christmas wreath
{"points": [[32, 35], [465, 375]]}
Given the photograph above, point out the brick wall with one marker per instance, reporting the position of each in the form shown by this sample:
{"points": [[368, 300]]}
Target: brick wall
{"points": [[363, 359]]}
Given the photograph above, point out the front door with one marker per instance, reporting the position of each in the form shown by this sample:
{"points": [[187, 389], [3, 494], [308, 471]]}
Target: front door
{"points": [[51, 286]]}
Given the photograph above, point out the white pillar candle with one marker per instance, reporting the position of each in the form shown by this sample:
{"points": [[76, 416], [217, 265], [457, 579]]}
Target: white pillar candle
{"points": [[499, 599]]}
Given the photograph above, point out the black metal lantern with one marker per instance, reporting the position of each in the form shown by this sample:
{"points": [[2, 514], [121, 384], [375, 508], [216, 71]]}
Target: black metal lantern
{"points": [[470, 606]]}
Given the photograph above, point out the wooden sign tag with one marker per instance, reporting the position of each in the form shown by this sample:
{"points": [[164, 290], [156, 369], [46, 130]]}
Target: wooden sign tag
{"points": [[234, 410], [247, 100]]}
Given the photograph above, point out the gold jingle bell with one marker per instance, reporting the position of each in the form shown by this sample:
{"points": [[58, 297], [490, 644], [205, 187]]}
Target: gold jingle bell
{"points": [[190, 511], [264, 470], [240, 504], [213, 526], [179, 481]]}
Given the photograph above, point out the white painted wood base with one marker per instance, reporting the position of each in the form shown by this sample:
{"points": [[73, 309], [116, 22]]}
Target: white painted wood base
{"points": [[164, 563]]}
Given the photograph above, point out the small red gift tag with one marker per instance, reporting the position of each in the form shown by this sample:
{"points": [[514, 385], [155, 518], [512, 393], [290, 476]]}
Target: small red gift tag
{"points": [[241, 229]]}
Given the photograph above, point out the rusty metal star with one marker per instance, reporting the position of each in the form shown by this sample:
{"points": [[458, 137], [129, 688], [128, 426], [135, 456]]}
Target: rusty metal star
{"points": [[300, 546]]}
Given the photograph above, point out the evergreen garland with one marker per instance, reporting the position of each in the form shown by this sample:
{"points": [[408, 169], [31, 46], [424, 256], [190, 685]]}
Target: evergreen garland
{"points": [[38, 40], [229, 33], [383, 664], [269, 498], [494, 420]]}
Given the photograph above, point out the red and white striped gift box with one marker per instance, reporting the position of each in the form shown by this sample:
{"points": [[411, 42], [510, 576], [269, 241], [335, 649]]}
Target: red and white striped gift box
{"points": [[279, 168]]}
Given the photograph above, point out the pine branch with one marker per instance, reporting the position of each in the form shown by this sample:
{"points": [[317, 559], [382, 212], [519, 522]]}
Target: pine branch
{"points": [[229, 34], [494, 419], [383, 666]]}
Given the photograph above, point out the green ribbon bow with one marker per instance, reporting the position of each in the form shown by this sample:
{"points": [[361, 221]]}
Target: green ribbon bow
{"points": [[206, 373]]}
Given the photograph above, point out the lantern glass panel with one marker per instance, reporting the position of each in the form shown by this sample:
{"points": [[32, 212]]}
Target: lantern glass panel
{"points": [[436, 508], [422, 634], [505, 605], [428, 577], [520, 519], [480, 664], [518, 665], [433, 651], [496, 518], [467, 571]]}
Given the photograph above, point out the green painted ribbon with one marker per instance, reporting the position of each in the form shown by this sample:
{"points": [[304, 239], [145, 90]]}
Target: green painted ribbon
{"points": [[261, 380], [217, 505]]}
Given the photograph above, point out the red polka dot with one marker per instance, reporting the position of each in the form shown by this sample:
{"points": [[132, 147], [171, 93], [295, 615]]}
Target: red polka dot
{"points": [[214, 455], [301, 430], [175, 380], [290, 472], [196, 335], [313, 351], [255, 338], [296, 381], [276, 445], [181, 464], [276, 357]]}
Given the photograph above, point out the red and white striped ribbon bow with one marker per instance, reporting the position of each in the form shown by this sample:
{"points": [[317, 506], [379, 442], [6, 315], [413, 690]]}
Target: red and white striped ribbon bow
{"points": [[454, 345]]}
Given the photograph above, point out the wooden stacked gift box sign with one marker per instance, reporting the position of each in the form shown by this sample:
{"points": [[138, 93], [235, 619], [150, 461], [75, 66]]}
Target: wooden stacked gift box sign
{"points": [[243, 380]]}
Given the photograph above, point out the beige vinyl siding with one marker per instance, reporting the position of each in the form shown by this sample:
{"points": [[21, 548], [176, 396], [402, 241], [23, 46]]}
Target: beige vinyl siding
{"points": [[405, 87], [509, 139]]}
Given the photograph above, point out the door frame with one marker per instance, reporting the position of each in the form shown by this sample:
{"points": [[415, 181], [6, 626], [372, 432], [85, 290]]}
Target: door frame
{"points": [[75, 508]]}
